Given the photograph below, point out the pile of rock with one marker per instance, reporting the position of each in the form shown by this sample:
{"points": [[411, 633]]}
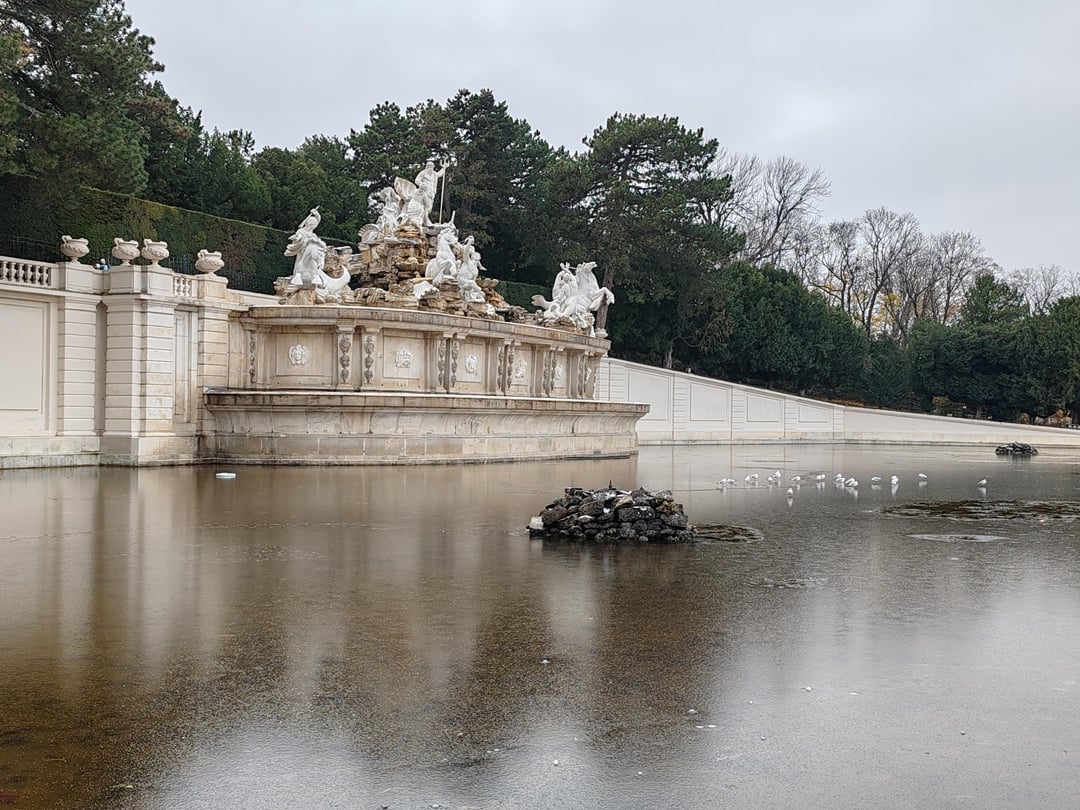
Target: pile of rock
{"points": [[614, 516], [1016, 449]]}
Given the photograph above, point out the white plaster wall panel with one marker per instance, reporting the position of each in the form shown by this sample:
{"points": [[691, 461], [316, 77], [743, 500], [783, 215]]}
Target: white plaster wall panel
{"points": [[26, 373], [764, 410], [814, 415], [710, 403], [654, 389]]}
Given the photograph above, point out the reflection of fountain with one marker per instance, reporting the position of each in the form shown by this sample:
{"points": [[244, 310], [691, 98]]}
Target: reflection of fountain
{"points": [[423, 361]]}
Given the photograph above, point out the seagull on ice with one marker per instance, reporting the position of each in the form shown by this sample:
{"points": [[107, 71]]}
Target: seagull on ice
{"points": [[876, 479], [982, 483], [922, 476]]}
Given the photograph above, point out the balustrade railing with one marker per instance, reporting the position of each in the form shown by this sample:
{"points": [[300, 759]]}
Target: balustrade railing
{"points": [[182, 286], [21, 271]]}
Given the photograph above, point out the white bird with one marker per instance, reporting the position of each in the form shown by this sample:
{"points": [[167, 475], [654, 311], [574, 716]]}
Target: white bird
{"points": [[875, 479], [851, 482], [796, 479], [982, 483], [790, 492], [894, 480], [922, 476]]}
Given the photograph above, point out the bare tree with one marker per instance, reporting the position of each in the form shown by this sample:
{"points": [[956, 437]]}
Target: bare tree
{"points": [[773, 204], [953, 259], [839, 268], [1042, 285], [893, 242]]}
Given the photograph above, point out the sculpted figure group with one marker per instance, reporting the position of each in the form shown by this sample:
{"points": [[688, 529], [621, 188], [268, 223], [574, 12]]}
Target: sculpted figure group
{"points": [[406, 203], [311, 267], [575, 296], [456, 260], [404, 222]]}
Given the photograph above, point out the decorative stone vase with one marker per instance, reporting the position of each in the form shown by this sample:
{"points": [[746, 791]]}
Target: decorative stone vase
{"points": [[209, 262], [126, 252], [74, 249], [155, 252]]}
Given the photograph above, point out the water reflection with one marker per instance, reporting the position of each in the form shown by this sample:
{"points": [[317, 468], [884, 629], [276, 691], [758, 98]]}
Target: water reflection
{"points": [[357, 637]]}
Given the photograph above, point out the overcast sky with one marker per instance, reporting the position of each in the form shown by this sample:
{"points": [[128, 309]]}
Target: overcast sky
{"points": [[964, 112]]}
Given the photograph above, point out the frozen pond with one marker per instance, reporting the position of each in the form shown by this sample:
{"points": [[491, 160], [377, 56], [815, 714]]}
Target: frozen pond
{"points": [[369, 637]]}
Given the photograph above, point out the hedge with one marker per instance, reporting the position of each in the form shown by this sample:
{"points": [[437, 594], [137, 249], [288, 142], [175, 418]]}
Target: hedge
{"points": [[33, 217]]}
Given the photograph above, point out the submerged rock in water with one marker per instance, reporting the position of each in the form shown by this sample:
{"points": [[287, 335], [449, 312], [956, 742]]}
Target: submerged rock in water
{"points": [[612, 515], [1016, 449]]}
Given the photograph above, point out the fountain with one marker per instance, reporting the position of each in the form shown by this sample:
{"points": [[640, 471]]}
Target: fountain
{"points": [[400, 352]]}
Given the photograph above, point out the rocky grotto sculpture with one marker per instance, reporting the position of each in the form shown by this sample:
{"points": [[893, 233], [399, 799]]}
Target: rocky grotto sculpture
{"points": [[406, 261]]}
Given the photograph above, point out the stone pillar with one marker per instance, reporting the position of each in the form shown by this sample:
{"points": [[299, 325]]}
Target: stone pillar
{"points": [[77, 366], [140, 365]]}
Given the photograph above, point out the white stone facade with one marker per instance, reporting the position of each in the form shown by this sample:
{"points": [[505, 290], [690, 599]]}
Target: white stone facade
{"points": [[138, 365], [688, 409]]}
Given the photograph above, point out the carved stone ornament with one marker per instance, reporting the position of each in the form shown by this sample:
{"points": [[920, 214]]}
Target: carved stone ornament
{"points": [[472, 362], [299, 354], [155, 252], [521, 367], [74, 249], [125, 251], [403, 358], [558, 372], [209, 262]]}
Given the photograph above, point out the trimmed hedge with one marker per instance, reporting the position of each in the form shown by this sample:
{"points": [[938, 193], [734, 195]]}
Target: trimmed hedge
{"points": [[520, 294], [32, 214]]}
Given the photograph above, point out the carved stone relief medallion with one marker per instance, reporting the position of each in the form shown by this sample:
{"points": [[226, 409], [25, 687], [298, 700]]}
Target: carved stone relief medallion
{"points": [[520, 368], [299, 354], [403, 358], [472, 362]]}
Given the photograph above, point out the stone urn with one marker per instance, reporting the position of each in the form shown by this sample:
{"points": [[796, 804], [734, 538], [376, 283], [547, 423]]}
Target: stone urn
{"points": [[74, 249], [126, 252], [209, 262], [155, 252]]}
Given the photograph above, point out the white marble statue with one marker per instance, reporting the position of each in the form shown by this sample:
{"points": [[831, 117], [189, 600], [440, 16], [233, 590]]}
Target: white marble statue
{"points": [[416, 199], [310, 265], [468, 270], [427, 182], [445, 263], [575, 297], [309, 250], [389, 217]]}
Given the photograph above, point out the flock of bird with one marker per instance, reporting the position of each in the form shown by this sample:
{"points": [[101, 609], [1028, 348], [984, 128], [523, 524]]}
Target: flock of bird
{"points": [[840, 481]]}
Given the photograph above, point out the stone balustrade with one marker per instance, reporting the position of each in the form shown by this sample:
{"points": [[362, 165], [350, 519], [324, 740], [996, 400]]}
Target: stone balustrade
{"points": [[28, 273]]}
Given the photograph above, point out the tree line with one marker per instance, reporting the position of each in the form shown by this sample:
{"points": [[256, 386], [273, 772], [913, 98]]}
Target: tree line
{"points": [[721, 262]]}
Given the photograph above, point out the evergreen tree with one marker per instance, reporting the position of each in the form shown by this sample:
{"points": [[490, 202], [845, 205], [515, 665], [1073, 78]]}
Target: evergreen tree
{"points": [[73, 92]]}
